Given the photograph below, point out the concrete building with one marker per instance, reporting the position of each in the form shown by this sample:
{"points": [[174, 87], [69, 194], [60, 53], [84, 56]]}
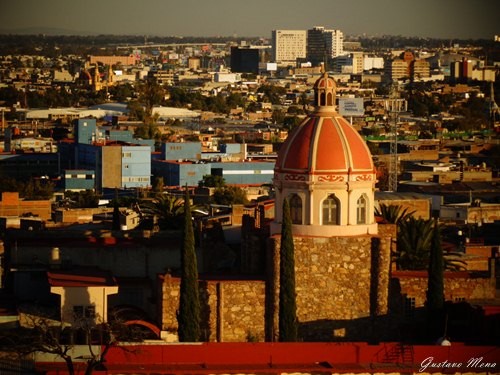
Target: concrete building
{"points": [[114, 60], [351, 63], [288, 46], [82, 293], [373, 62], [244, 173], [13, 206], [78, 179], [324, 44], [116, 164], [419, 70], [396, 69], [245, 60]]}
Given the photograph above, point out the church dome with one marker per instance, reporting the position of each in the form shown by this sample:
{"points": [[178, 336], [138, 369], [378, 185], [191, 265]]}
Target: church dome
{"points": [[326, 171], [324, 145]]}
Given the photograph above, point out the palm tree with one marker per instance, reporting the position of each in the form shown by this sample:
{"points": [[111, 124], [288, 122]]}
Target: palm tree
{"points": [[393, 213], [414, 246], [414, 243], [169, 209]]}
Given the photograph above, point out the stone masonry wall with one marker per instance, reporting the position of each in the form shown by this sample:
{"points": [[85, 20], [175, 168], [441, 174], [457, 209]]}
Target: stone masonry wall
{"points": [[341, 283], [232, 310], [457, 286]]}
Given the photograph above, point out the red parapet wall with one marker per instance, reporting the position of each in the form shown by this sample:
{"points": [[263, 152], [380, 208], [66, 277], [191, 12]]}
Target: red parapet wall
{"points": [[277, 358]]}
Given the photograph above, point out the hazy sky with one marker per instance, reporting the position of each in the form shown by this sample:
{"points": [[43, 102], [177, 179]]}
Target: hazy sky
{"points": [[426, 18]]}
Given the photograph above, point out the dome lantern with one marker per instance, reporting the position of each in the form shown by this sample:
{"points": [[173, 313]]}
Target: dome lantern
{"points": [[325, 170]]}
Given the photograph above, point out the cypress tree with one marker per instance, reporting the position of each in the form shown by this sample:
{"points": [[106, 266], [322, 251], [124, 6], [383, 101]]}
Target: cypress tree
{"points": [[435, 286], [435, 282], [287, 303], [189, 305], [116, 212]]}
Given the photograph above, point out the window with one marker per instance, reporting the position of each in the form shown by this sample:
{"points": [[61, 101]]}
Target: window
{"points": [[329, 100], [295, 209], [361, 210], [322, 100], [80, 311], [331, 210]]}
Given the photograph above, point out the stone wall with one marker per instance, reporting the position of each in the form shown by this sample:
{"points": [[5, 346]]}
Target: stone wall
{"points": [[232, 310], [457, 286], [342, 286]]}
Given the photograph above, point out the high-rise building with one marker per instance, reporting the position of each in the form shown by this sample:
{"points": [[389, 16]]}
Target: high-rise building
{"points": [[288, 46], [245, 60], [420, 69], [323, 44], [396, 69]]}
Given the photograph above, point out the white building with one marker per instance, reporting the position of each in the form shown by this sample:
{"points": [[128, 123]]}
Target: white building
{"points": [[323, 43], [288, 46], [334, 42], [373, 62]]}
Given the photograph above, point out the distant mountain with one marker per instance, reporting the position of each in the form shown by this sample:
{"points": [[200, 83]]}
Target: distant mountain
{"points": [[55, 31]]}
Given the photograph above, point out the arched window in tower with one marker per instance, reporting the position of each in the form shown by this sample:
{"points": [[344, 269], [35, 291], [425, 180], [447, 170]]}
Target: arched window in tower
{"points": [[329, 99], [331, 210], [361, 206], [295, 208], [322, 100]]}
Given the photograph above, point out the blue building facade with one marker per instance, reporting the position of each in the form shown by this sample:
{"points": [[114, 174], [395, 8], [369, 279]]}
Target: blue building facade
{"points": [[136, 166], [181, 151], [85, 131], [180, 173], [244, 173], [78, 179]]}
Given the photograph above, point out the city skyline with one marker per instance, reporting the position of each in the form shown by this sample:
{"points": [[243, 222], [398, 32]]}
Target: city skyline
{"points": [[446, 19]]}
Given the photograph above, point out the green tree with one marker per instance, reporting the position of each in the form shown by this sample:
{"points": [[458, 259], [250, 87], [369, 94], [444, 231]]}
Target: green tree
{"points": [[229, 195], [147, 131], [291, 122], [116, 213], [435, 287], [392, 213], [287, 297], [169, 209], [435, 283], [150, 94], [189, 306], [44, 335], [414, 240], [83, 199], [278, 117], [158, 185], [210, 180]]}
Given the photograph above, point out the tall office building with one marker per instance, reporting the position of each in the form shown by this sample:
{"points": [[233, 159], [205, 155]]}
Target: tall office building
{"points": [[288, 46], [245, 60], [324, 44]]}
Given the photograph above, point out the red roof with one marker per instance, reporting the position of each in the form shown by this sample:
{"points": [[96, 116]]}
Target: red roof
{"points": [[80, 278]]}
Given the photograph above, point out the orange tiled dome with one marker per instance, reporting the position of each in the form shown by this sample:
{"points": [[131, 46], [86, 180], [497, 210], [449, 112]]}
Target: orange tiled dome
{"points": [[324, 145]]}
